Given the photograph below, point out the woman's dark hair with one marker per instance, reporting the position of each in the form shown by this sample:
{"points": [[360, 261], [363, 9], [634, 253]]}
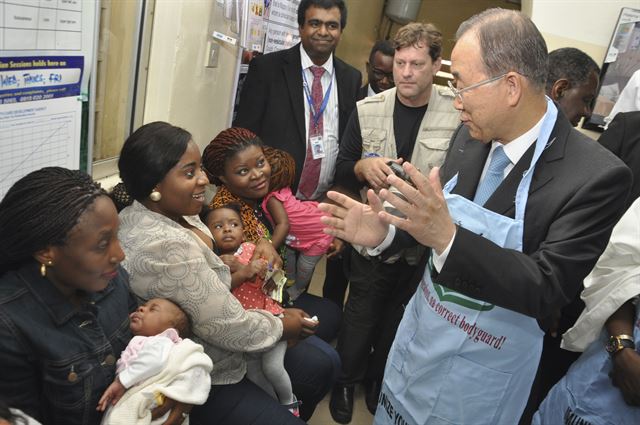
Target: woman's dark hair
{"points": [[40, 209], [148, 155], [224, 146], [120, 197]]}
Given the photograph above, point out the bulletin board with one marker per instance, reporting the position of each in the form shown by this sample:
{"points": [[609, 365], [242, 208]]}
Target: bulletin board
{"points": [[46, 48], [621, 61], [269, 25], [264, 26]]}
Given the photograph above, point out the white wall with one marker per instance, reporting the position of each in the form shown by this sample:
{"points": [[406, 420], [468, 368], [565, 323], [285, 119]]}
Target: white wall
{"points": [[584, 24], [180, 89]]}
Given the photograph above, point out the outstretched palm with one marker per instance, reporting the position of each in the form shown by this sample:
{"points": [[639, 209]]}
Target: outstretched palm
{"points": [[354, 221]]}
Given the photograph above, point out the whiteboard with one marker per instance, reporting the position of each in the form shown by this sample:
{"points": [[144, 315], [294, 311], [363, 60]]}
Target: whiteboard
{"points": [[48, 28]]}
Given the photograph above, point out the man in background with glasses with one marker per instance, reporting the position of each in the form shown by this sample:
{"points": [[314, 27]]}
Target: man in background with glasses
{"points": [[379, 69], [515, 219], [414, 120]]}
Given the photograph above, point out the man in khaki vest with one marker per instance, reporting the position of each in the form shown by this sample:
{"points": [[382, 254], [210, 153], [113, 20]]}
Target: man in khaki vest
{"points": [[413, 121]]}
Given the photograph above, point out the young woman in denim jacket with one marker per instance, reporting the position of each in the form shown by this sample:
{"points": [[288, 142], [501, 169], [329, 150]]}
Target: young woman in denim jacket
{"points": [[64, 299]]}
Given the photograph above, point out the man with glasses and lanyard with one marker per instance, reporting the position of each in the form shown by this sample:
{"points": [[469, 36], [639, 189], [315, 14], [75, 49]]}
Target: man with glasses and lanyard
{"points": [[299, 100], [515, 219], [414, 120]]}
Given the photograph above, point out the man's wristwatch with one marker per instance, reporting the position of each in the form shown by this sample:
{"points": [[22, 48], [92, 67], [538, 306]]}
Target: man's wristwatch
{"points": [[619, 342]]}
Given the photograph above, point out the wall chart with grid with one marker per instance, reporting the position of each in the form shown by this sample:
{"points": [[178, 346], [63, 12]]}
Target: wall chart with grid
{"points": [[36, 138], [41, 25]]}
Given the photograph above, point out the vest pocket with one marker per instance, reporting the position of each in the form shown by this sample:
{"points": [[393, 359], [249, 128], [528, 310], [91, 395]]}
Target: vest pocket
{"points": [[430, 152], [373, 140]]}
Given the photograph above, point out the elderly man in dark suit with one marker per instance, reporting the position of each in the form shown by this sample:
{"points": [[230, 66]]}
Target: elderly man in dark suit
{"points": [[525, 208]]}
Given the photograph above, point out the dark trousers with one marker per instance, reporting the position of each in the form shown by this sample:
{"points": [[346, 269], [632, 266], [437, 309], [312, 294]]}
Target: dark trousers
{"points": [[241, 404], [336, 280], [327, 312], [313, 366], [554, 361], [375, 293], [386, 332]]}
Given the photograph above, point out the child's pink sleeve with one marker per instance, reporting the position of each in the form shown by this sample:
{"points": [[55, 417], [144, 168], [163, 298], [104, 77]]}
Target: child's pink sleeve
{"points": [[245, 252]]}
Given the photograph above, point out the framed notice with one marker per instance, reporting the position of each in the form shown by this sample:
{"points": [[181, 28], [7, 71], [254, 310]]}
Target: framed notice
{"points": [[621, 62]]}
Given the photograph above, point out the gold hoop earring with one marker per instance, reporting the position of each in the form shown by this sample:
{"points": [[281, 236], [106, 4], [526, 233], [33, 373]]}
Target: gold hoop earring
{"points": [[155, 196]]}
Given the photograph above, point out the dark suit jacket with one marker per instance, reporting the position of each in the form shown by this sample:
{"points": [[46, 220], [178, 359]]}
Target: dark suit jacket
{"points": [[577, 194], [272, 101], [363, 92], [622, 137]]}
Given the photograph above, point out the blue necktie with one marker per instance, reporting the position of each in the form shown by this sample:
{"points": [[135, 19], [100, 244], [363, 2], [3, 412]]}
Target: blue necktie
{"points": [[493, 177]]}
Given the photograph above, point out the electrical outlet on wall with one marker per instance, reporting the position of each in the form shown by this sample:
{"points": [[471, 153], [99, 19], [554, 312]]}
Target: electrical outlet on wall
{"points": [[213, 51]]}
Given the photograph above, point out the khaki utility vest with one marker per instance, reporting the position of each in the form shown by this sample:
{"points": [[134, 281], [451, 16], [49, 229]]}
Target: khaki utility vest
{"points": [[375, 114]]}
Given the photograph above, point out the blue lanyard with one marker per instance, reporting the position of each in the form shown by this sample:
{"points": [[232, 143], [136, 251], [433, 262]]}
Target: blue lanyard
{"points": [[325, 100]]}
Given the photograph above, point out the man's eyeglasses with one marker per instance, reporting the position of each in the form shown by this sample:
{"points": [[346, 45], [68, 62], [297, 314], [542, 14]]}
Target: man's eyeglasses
{"points": [[458, 93], [379, 74]]}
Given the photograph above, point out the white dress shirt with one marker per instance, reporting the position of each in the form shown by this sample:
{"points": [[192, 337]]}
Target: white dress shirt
{"points": [[629, 99], [370, 91], [330, 118]]}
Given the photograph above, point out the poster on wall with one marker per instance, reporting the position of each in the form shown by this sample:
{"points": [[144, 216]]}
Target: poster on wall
{"points": [[622, 60], [282, 25], [252, 27], [279, 20], [268, 25], [40, 114], [49, 28]]}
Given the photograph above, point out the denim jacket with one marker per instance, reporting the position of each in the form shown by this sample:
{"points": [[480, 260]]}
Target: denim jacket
{"points": [[56, 359]]}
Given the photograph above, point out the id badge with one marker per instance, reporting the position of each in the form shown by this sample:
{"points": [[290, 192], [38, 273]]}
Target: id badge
{"points": [[317, 147]]}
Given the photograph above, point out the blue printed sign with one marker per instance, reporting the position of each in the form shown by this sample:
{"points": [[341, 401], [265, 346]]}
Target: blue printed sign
{"points": [[29, 78]]}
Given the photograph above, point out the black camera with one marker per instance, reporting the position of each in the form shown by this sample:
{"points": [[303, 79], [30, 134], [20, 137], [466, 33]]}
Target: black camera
{"points": [[399, 171]]}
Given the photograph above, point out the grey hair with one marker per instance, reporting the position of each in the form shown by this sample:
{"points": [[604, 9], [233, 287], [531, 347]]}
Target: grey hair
{"points": [[509, 41]]}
